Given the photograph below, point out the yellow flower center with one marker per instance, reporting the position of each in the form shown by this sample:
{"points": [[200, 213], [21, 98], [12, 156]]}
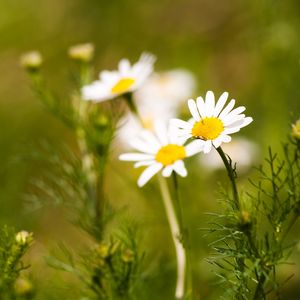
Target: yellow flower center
{"points": [[208, 128], [123, 85], [170, 153]]}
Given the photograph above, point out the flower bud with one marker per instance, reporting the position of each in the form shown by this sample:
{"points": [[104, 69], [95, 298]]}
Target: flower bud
{"points": [[31, 61], [24, 237], [82, 52], [296, 130], [103, 250], [128, 256], [23, 287]]}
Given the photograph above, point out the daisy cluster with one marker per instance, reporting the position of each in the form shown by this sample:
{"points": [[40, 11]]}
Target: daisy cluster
{"points": [[164, 147]]}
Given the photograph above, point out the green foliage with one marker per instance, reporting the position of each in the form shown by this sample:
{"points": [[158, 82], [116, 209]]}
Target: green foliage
{"points": [[251, 240], [12, 249], [109, 270]]}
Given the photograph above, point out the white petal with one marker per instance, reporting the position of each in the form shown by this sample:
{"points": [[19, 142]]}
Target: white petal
{"points": [[201, 107], [226, 138], [149, 173], [167, 171], [124, 66], [220, 104], [96, 91], [144, 163], [180, 124], [227, 109], [194, 147], [233, 119], [161, 132], [135, 156], [193, 109], [149, 137], [207, 146], [209, 103], [217, 142], [143, 146], [235, 112], [179, 168], [247, 121]]}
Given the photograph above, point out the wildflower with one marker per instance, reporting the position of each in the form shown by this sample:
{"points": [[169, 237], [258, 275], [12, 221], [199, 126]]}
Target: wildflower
{"points": [[211, 123], [159, 151], [245, 154], [31, 61], [82, 52], [126, 79], [296, 130], [161, 98], [24, 237]]}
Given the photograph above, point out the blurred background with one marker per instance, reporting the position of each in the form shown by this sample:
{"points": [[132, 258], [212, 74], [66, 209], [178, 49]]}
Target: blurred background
{"points": [[249, 48]]}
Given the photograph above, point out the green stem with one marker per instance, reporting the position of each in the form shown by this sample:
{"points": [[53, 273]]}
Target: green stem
{"points": [[231, 175], [176, 236], [133, 108], [185, 235]]}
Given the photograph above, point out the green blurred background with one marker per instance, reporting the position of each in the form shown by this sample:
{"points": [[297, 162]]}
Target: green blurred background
{"points": [[250, 48]]}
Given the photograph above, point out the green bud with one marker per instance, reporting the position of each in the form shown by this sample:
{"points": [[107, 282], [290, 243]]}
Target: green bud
{"points": [[128, 256]]}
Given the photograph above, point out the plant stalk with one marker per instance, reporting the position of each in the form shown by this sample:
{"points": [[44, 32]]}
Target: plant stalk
{"points": [[176, 236]]}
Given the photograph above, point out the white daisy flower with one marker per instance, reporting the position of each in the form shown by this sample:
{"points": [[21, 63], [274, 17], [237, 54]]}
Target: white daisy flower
{"points": [[159, 151], [127, 78], [212, 123]]}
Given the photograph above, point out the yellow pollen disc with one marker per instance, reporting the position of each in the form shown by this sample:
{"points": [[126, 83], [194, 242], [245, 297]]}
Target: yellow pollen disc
{"points": [[208, 128], [170, 153], [123, 85]]}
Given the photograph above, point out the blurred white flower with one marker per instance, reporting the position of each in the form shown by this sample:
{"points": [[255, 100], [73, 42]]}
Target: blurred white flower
{"points": [[296, 130], [243, 152], [24, 237], [82, 52], [128, 78], [31, 60], [159, 151], [211, 123], [159, 98]]}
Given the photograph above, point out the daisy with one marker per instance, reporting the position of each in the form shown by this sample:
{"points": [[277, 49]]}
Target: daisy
{"points": [[126, 79], [159, 151], [212, 123]]}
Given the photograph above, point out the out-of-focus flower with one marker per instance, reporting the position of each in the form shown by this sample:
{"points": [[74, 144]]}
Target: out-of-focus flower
{"points": [[32, 60], [159, 151], [24, 237], [296, 130], [165, 89], [82, 52], [211, 123], [160, 98], [128, 78], [244, 152], [23, 287]]}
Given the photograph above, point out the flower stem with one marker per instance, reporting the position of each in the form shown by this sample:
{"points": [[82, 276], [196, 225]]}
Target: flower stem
{"points": [[176, 236], [133, 108], [185, 238], [231, 175]]}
